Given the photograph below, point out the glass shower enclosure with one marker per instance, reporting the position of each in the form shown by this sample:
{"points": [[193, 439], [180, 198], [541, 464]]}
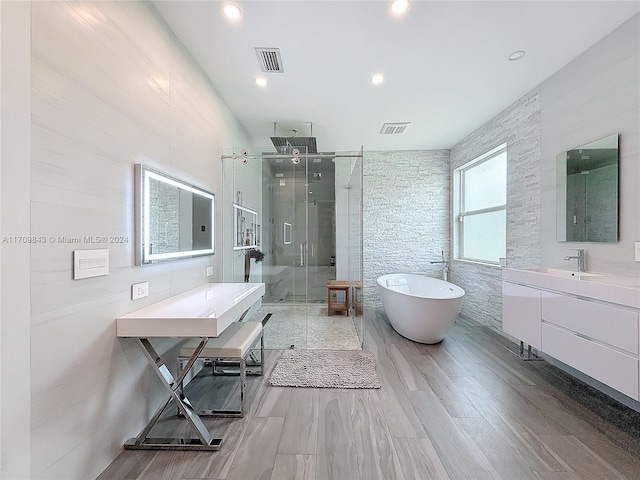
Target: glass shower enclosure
{"points": [[293, 220]]}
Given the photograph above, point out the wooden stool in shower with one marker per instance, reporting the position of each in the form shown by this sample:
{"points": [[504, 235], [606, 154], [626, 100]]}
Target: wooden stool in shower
{"points": [[335, 305]]}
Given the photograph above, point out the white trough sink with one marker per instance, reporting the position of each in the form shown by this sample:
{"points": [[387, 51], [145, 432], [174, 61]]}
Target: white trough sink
{"points": [[556, 272], [623, 290]]}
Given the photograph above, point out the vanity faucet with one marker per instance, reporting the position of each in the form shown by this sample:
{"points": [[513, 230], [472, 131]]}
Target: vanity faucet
{"points": [[579, 257]]}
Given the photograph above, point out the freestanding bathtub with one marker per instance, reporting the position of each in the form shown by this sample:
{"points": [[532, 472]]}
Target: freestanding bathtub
{"points": [[420, 308]]}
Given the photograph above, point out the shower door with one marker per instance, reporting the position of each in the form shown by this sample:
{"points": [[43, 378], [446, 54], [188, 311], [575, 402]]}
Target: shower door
{"points": [[296, 216]]}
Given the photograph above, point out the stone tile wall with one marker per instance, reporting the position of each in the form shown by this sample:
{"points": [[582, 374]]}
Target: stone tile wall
{"points": [[519, 126], [406, 214]]}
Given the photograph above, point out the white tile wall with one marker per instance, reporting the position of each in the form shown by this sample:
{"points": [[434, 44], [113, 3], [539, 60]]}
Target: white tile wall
{"points": [[110, 87], [14, 272], [594, 96]]}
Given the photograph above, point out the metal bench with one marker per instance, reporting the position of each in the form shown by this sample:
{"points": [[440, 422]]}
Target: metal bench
{"points": [[234, 346]]}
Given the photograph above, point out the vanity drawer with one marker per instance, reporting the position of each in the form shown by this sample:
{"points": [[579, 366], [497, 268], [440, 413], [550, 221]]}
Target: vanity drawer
{"points": [[614, 326], [613, 368]]}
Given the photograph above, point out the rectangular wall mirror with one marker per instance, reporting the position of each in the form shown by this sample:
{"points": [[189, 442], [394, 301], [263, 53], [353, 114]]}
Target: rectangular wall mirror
{"points": [[245, 223], [587, 192], [174, 219]]}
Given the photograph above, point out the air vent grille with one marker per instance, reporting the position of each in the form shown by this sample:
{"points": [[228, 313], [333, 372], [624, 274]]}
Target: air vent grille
{"points": [[270, 59], [394, 128]]}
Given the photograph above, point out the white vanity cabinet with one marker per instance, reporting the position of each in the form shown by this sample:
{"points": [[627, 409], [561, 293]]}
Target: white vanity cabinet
{"points": [[598, 335], [521, 313], [597, 339]]}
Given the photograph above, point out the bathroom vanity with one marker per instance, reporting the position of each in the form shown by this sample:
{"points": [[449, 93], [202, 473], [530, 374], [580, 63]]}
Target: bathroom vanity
{"points": [[202, 313], [587, 321]]}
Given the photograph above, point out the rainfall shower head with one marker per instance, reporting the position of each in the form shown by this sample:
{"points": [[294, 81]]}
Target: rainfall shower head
{"points": [[287, 144]]}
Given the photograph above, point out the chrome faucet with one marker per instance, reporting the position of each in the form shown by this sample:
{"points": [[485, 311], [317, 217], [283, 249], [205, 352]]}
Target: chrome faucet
{"points": [[579, 257], [445, 267]]}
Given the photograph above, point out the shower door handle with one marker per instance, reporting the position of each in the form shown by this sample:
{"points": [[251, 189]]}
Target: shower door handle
{"points": [[302, 245]]}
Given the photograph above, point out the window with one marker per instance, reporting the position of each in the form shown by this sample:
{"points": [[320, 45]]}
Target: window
{"points": [[480, 207]]}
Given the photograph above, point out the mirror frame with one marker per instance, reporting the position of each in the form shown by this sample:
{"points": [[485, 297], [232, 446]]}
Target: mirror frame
{"points": [[143, 175]]}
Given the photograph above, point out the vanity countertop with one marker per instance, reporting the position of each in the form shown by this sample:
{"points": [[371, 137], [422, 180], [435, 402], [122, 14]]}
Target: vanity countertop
{"points": [[204, 311], [618, 289]]}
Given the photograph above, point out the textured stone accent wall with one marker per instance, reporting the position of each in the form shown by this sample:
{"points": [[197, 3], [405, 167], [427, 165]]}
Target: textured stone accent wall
{"points": [[406, 214], [519, 126]]}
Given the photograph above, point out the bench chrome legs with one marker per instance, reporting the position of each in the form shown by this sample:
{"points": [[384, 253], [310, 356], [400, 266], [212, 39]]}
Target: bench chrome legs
{"points": [[239, 368]]}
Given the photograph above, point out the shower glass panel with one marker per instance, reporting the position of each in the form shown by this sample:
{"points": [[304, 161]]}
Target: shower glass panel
{"points": [[295, 197], [355, 244]]}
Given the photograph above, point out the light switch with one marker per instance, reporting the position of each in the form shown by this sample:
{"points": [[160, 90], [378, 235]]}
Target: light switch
{"points": [[139, 290], [637, 251], [90, 263], [208, 270]]}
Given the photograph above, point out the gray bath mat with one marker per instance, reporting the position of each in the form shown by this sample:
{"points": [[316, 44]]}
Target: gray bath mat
{"points": [[326, 369]]}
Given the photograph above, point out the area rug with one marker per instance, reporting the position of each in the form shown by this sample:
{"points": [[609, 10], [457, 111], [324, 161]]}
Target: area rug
{"points": [[325, 369]]}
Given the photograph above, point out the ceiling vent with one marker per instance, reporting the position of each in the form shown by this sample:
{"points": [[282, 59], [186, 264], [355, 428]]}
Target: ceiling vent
{"points": [[394, 128], [270, 60]]}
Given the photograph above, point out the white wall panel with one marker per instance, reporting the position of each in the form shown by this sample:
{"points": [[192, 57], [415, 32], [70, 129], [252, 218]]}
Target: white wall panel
{"points": [[594, 96], [15, 170], [111, 87]]}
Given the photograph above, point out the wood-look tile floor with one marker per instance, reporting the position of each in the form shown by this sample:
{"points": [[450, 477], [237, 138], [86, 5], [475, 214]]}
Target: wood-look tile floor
{"points": [[464, 409]]}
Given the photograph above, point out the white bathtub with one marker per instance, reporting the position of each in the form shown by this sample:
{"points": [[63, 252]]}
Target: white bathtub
{"points": [[420, 308]]}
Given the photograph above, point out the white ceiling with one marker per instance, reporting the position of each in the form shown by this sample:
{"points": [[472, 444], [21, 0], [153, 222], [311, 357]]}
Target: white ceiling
{"points": [[445, 62]]}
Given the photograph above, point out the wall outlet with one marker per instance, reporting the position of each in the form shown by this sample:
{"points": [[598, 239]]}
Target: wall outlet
{"points": [[208, 270], [637, 251], [139, 290]]}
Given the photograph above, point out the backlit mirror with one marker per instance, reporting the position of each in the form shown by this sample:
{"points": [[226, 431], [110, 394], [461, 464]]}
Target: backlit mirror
{"points": [[587, 192], [174, 219], [246, 226]]}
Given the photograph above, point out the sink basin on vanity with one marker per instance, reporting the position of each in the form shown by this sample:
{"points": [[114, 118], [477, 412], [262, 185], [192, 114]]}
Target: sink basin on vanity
{"points": [[589, 321], [555, 272]]}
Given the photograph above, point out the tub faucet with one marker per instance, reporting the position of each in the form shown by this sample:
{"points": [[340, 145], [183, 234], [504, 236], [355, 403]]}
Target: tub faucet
{"points": [[579, 256], [445, 267]]}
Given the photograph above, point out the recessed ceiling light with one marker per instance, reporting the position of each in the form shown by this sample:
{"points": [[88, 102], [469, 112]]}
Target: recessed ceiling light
{"points": [[398, 7], [517, 55], [377, 79], [261, 81], [232, 11]]}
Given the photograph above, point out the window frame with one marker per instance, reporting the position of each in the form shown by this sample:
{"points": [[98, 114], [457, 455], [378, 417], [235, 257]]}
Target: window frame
{"points": [[458, 202]]}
